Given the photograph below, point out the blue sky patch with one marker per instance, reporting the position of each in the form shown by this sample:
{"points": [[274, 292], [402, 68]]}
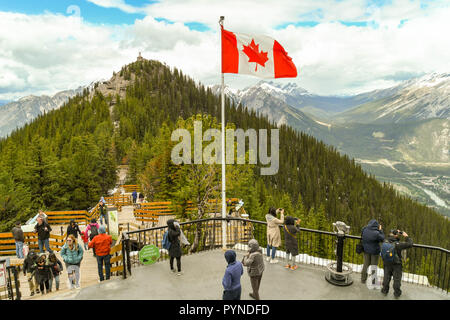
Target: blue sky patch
{"points": [[88, 11]]}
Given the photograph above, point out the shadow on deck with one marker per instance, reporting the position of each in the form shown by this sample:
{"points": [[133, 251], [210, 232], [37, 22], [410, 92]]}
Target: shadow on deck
{"points": [[202, 280]]}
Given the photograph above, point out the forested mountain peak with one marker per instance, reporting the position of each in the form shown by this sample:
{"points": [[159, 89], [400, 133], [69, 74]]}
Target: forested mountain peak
{"points": [[67, 159]]}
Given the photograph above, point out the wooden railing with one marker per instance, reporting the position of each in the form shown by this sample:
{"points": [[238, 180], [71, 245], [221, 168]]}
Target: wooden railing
{"points": [[128, 188], [119, 201], [8, 246], [150, 212]]}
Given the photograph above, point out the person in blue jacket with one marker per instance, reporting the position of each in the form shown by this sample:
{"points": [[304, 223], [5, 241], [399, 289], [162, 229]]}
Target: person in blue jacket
{"points": [[372, 237], [232, 279]]}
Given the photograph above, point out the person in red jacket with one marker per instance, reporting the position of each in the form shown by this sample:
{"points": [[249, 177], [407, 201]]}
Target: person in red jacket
{"points": [[102, 246]]}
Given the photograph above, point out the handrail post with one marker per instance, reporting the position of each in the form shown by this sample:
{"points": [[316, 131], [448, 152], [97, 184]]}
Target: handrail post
{"points": [[124, 255]]}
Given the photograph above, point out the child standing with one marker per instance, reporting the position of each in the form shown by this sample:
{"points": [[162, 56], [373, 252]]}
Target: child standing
{"points": [[56, 268], [84, 236], [290, 236]]}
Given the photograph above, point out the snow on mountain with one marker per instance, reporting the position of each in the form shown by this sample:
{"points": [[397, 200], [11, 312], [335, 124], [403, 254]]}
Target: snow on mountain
{"points": [[18, 113], [417, 99]]}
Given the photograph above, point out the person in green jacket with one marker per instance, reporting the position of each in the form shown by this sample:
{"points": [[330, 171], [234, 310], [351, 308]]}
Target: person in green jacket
{"points": [[72, 254]]}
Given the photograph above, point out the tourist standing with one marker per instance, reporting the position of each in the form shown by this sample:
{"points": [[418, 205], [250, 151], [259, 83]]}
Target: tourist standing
{"points": [[102, 246], [393, 267], [372, 236], [254, 262], [273, 232], [72, 254], [175, 247], [43, 230], [232, 278], [290, 237], [19, 239], [134, 195]]}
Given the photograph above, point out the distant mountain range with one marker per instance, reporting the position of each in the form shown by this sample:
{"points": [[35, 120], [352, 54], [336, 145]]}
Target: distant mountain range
{"points": [[400, 134], [18, 113]]}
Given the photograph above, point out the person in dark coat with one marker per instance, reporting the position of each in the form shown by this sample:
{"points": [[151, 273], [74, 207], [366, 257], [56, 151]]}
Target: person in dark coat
{"points": [[43, 273], [395, 269], [73, 229], [103, 215], [290, 238], [19, 239], [56, 267], [29, 266], [43, 230], [134, 195], [232, 278], [175, 248], [372, 236], [254, 262]]}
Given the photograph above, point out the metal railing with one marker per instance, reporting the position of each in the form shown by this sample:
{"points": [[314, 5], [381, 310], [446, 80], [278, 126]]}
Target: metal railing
{"points": [[422, 265]]}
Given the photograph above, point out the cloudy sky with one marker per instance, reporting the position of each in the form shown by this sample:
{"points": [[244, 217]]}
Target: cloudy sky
{"points": [[339, 46]]}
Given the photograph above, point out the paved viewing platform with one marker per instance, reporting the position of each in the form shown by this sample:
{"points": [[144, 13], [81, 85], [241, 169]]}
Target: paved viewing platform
{"points": [[202, 280]]}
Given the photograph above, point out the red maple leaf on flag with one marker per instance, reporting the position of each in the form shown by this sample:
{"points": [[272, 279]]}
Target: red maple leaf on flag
{"points": [[253, 54]]}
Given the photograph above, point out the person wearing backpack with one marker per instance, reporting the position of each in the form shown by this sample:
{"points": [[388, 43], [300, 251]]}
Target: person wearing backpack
{"points": [[43, 274], [173, 236], [92, 231], [29, 266], [254, 262], [391, 253], [372, 236], [290, 239]]}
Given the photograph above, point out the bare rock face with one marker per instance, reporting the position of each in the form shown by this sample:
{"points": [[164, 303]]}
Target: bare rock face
{"points": [[116, 85]]}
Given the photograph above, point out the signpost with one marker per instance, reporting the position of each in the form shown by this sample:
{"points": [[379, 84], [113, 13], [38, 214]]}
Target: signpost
{"points": [[113, 222], [149, 254], [3, 266]]}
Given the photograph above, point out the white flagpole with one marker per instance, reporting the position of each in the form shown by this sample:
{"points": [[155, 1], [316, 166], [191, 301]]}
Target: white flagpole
{"points": [[224, 204]]}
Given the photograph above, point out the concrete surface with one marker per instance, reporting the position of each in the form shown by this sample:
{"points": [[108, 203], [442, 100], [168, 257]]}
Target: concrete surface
{"points": [[202, 280]]}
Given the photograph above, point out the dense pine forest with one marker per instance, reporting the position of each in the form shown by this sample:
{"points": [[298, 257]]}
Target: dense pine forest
{"points": [[67, 159]]}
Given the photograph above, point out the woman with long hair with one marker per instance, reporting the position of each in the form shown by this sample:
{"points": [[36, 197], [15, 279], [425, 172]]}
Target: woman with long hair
{"points": [[72, 254], [273, 232]]}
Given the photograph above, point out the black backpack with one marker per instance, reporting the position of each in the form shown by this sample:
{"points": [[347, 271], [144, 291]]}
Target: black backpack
{"points": [[94, 232]]}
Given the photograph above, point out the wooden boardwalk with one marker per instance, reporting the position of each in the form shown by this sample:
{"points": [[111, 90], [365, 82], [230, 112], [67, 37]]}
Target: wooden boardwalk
{"points": [[89, 271]]}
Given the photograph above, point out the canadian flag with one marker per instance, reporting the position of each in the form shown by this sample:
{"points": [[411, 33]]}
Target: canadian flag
{"points": [[258, 55]]}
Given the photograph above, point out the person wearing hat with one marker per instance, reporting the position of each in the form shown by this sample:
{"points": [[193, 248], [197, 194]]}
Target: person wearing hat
{"points": [[394, 269], [102, 246], [232, 278]]}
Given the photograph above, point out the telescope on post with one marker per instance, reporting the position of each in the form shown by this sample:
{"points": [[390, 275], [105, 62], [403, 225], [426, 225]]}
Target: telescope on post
{"points": [[339, 273]]}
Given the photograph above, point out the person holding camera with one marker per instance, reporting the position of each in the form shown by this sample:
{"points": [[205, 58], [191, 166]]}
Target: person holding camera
{"points": [[391, 252], [372, 235], [273, 232], [290, 238]]}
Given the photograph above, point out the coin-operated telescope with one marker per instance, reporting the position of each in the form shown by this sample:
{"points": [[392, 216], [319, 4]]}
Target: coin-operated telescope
{"points": [[339, 273]]}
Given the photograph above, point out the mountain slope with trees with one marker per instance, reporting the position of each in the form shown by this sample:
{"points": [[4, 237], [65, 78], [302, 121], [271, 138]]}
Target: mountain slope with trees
{"points": [[67, 159]]}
